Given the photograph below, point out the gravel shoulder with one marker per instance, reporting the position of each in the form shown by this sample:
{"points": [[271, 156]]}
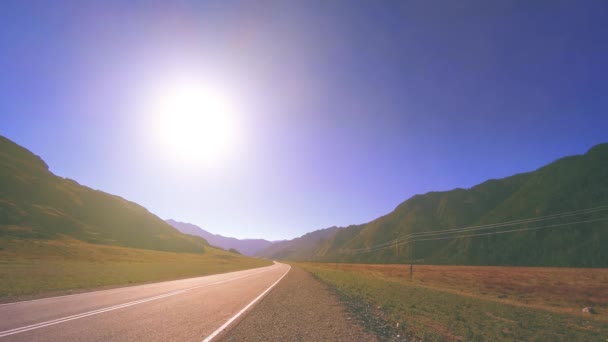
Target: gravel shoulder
{"points": [[299, 308]]}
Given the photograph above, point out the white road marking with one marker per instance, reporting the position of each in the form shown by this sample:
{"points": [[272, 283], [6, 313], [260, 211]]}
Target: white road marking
{"points": [[115, 307], [90, 313], [76, 294], [225, 325]]}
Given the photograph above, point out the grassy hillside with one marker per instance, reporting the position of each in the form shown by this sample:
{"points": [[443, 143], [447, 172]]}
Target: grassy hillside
{"points": [[58, 236], [568, 184], [35, 204]]}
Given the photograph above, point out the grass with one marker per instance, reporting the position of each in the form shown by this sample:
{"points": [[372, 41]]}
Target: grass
{"points": [[479, 303], [32, 268]]}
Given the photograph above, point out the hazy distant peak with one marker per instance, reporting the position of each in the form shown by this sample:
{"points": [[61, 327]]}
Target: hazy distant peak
{"points": [[245, 246]]}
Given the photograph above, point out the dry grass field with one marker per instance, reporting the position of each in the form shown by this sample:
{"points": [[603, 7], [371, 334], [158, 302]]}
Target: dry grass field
{"points": [[31, 268], [479, 303], [565, 290]]}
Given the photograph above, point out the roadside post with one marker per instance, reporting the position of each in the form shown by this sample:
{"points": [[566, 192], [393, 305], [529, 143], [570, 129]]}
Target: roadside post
{"points": [[411, 270]]}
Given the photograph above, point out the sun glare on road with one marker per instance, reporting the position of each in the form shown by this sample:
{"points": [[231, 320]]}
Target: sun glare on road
{"points": [[196, 122]]}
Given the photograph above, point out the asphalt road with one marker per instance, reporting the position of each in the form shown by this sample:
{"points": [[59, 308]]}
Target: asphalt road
{"points": [[181, 310]]}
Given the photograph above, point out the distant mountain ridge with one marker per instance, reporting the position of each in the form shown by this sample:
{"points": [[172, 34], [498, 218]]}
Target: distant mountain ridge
{"points": [[568, 184], [305, 247], [36, 204], [245, 246]]}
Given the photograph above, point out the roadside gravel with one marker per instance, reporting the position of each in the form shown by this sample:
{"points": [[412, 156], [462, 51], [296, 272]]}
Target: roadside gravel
{"points": [[299, 308]]}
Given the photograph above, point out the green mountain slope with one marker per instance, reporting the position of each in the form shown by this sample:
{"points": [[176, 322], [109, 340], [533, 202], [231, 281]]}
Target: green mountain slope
{"points": [[36, 204], [569, 184]]}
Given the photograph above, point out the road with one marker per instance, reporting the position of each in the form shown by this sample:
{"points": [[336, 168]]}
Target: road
{"points": [[193, 309]]}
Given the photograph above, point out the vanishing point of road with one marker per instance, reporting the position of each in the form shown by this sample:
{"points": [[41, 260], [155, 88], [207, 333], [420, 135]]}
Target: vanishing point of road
{"points": [[194, 309]]}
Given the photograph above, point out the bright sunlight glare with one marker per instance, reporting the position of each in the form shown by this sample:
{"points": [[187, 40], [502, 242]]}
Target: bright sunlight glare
{"points": [[195, 122]]}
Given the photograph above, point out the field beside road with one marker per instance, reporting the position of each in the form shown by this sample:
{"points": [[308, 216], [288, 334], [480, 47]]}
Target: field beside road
{"points": [[32, 268], [477, 303]]}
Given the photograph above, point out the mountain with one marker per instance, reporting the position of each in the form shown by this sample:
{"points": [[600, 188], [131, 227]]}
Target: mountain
{"points": [[306, 247], [246, 246], [36, 204], [568, 184]]}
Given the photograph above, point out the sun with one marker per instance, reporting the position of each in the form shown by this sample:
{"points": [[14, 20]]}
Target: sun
{"points": [[196, 122]]}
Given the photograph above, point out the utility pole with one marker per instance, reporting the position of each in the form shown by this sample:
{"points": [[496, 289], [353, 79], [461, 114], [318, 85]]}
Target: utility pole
{"points": [[396, 249], [412, 262], [411, 271]]}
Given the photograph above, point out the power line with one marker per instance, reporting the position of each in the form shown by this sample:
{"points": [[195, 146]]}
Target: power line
{"points": [[494, 225], [514, 230], [484, 227], [377, 248], [514, 222]]}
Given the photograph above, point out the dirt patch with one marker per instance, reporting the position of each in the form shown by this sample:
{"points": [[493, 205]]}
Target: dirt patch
{"points": [[374, 319], [491, 315]]}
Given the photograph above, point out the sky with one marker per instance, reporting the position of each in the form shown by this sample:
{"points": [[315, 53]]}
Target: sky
{"points": [[345, 108]]}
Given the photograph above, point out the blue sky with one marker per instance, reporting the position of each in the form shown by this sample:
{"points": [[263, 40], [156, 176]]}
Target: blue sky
{"points": [[350, 107]]}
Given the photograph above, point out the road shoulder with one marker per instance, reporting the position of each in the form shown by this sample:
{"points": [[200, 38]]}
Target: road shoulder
{"points": [[299, 308]]}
